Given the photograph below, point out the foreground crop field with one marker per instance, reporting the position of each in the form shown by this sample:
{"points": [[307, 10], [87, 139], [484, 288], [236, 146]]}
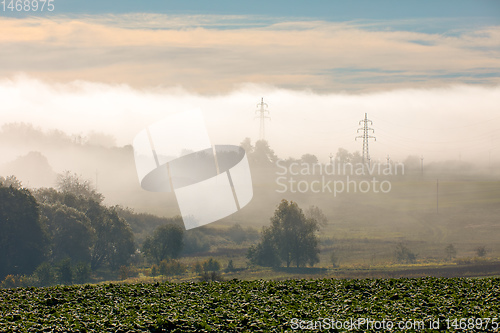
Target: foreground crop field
{"points": [[258, 306]]}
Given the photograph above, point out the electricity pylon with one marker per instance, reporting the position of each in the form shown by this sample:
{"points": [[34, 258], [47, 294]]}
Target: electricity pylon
{"points": [[365, 137], [262, 116]]}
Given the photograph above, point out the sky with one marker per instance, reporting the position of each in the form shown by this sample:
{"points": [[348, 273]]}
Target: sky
{"points": [[426, 72]]}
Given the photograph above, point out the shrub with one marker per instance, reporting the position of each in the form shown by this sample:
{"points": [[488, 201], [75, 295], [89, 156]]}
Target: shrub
{"points": [[82, 273], [211, 265], [172, 267], [211, 276]]}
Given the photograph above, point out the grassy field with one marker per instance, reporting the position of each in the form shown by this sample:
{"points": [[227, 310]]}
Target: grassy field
{"points": [[365, 228]]}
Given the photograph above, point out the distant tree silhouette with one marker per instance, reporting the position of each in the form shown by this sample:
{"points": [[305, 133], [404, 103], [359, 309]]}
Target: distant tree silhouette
{"points": [[309, 159], [450, 252]]}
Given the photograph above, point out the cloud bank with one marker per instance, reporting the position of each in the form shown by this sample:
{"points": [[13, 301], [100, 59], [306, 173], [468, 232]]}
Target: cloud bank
{"points": [[215, 55], [439, 123]]}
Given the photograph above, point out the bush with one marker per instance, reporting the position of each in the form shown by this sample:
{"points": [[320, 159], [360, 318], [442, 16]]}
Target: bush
{"points": [[124, 272], [172, 267], [45, 275], [211, 276], [195, 242], [12, 281], [19, 281], [403, 254], [334, 259], [230, 266], [154, 270], [82, 273], [64, 272], [211, 265], [198, 268], [481, 251]]}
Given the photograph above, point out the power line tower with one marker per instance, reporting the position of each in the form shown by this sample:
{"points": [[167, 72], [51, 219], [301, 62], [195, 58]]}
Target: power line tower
{"points": [[365, 137], [263, 114]]}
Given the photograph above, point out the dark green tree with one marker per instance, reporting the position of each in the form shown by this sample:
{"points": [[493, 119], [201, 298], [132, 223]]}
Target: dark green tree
{"points": [[82, 273], [71, 232], [265, 253], [114, 242], [291, 238], [64, 272], [211, 265], [23, 241], [165, 243], [45, 274]]}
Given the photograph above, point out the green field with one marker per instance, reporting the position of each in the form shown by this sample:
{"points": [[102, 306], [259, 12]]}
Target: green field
{"points": [[364, 228], [257, 306]]}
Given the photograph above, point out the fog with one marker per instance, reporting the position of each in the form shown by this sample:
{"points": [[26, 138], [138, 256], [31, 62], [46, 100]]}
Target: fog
{"points": [[448, 123]]}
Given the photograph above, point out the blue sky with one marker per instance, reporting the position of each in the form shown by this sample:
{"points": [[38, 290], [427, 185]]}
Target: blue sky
{"points": [[468, 12], [323, 10]]}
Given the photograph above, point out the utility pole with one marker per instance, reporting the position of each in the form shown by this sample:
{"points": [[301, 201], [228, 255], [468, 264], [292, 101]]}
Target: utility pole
{"points": [[422, 165], [262, 115], [366, 137], [437, 196]]}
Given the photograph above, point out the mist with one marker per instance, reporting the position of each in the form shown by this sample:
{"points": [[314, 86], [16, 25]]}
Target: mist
{"points": [[448, 123]]}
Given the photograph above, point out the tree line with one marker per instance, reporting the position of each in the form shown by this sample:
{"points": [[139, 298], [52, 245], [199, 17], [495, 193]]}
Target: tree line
{"points": [[66, 234]]}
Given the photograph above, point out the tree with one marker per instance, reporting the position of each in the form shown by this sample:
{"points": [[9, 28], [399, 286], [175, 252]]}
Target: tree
{"points": [[343, 156], [230, 266], [211, 265], [450, 252], [291, 238], [64, 272], [23, 241], [309, 159], [263, 155], [334, 258], [481, 251], [237, 234], [211, 270], [45, 274], [403, 254], [247, 145], [71, 232], [72, 183], [265, 253], [11, 181], [165, 243], [315, 213], [82, 273], [195, 241], [114, 242], [83, 229]]}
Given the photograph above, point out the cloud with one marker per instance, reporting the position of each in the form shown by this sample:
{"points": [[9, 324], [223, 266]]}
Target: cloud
{"points": [[208, 54]]}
